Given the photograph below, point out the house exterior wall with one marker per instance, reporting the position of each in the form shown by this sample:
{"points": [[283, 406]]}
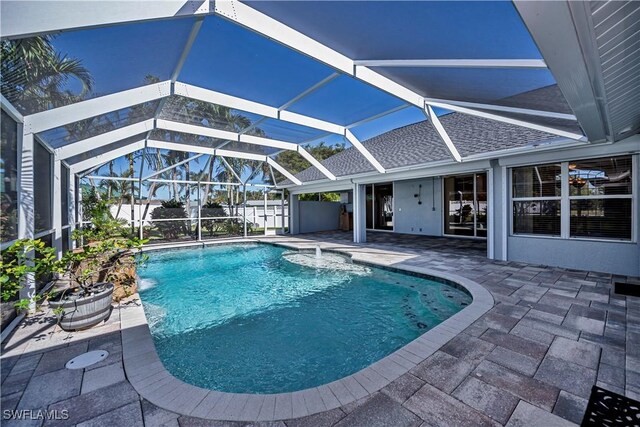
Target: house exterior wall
{"points": [[610, 256], [318, 216], [412, 218]]}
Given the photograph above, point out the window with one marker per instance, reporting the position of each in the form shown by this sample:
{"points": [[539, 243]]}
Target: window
{"points": [[536, 197], [592, 198], [600, 194]]}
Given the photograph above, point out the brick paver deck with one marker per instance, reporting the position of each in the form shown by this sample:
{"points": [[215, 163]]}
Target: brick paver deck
{"points": [[531, 360]]}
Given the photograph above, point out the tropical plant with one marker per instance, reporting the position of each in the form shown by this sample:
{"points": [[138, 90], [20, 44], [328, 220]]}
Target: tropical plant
{"points": [[102, 224], [22, 258], [93, 263], [35, 77]]}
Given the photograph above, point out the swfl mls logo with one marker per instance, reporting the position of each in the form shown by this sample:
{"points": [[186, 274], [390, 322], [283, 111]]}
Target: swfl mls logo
{"points": [[30, 414]]}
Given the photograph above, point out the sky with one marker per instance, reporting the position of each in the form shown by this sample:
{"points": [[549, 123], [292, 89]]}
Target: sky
{"points": [[231, 59]]}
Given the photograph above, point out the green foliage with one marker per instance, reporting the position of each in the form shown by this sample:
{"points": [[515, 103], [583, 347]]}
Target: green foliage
{"points": [[168, 210], [35, 77], [212, 209], [324, 197], [20, 259], [103, 224], [85, 266], [235, 226], [295, 163]]}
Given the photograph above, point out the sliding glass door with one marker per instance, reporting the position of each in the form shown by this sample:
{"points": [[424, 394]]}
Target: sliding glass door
{"points": [[465, 205], [379, 202]]}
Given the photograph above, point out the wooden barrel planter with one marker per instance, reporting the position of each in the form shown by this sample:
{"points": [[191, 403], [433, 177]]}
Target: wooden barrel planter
{"points": [[84, 312]]}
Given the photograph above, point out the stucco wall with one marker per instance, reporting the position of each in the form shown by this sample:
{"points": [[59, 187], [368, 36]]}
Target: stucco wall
{"points": [[608, 257], [318, 216], [413, 218]]}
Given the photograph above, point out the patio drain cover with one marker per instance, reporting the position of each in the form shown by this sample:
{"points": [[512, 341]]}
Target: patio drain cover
{"points": [[87, 359]]}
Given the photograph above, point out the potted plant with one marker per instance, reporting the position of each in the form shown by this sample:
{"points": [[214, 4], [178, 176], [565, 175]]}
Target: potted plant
{"points": [[84, 297]]}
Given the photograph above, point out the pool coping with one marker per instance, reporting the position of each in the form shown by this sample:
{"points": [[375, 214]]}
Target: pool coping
{"points": [[153, 382]]}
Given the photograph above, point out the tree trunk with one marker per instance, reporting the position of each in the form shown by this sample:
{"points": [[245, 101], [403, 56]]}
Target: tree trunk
{"points": [[209, 178], [176, 192], [110, 185]]}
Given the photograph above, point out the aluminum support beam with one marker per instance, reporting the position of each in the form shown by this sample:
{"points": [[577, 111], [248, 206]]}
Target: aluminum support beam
{"points": [[304, 153], [213, 97], [442, 133], [516, 122], [49, 119], [26, 205], [356, 143], [454, 63], [20, 19], [168, 168], [563, 32], [103, 139], [222, 153], [248, 139], [230, 168], [107, 157], [57, 204], [309, 91], [25, 185], [283, 171], [187, 48], [223, 134], [493, 107], [281, 208], [12, 111], [72, 208]]}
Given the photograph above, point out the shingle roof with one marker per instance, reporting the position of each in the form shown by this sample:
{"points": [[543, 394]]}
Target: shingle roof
{"points": [[419, 143]]}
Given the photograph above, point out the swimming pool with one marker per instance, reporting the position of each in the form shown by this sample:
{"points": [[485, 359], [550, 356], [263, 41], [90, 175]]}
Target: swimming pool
{"points": [[256, 318]]}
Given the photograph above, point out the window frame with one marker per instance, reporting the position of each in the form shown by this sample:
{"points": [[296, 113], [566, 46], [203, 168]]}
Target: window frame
{"points": [[532, 199], [565, 202]]}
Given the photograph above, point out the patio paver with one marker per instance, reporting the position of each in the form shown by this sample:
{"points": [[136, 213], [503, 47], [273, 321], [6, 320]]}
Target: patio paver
{"points": [[512, 366]]}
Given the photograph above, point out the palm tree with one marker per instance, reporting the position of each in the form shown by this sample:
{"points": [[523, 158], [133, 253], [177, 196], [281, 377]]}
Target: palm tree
{"points": [[35, 77]]}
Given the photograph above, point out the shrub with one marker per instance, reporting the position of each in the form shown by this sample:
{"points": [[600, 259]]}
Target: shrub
{"points": [[212, 209], [168, 210]]}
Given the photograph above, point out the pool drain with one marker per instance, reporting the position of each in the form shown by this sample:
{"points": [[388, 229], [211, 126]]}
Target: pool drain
{"points": [[87, 359]]}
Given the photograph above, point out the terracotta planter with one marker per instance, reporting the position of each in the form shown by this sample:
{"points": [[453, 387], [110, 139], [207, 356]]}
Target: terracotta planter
{"points": [[82, 313]]}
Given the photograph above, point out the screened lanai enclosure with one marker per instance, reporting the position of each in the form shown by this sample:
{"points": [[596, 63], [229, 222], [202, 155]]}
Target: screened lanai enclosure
{"points": [[198, 120]]}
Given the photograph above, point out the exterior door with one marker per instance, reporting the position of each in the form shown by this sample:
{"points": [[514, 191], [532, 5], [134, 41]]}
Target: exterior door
{"points": [[379, 206], [465, 205]]}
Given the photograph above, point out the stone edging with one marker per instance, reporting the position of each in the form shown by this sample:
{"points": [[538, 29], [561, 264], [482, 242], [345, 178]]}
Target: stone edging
{"points": [[152, 381]]}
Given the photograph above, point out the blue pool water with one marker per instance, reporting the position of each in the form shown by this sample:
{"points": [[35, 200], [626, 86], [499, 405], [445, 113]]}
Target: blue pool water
{"points": [[252, 319]]}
